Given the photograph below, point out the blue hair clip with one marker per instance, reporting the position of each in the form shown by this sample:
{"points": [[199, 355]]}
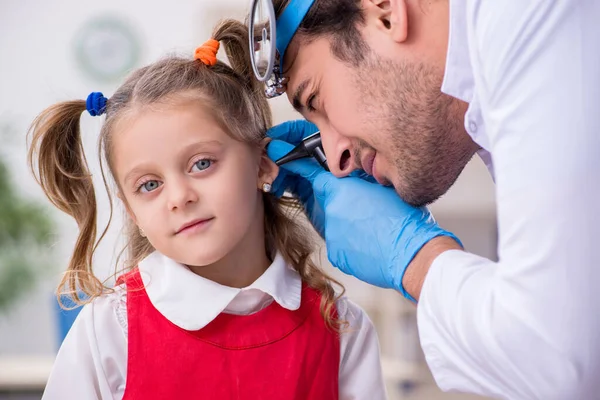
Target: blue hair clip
{"points": [[96, 104]]}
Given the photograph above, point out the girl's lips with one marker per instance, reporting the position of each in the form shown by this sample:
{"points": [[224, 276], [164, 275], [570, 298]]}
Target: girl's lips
{"points": [[194, 226]]}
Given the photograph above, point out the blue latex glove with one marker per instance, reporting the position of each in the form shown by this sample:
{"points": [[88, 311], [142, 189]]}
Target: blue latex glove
{"points": [[369, 231], [292, 133]]}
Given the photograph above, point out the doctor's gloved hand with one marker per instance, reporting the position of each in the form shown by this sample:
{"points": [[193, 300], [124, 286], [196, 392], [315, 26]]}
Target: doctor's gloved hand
{"points": [[285, 137], [369, 231], [290, 134]]}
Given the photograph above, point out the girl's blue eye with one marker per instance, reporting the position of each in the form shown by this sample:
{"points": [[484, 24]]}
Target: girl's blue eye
{"points": [[202, 164], [149, 186]]}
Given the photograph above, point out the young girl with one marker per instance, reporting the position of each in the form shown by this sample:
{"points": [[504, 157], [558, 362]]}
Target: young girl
{"points": [[218, 299]]}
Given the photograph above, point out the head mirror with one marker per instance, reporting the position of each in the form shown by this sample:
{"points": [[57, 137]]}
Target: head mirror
{"points": [[261, 29]]}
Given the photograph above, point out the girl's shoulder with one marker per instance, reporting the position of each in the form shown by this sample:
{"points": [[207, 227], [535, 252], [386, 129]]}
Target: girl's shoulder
{"points": [[108, 310], [353, 315], [93, 351], [360, 363]]}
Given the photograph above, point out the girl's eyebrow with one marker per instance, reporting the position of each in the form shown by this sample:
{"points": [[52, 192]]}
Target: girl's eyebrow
{"points": [[138, 169], [201, 144]]}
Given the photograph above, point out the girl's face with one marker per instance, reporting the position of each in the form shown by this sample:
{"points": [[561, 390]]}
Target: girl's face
{"points": [[191, 188]]}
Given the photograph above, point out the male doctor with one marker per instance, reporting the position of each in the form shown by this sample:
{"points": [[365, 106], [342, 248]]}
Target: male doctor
{"points": [[409, 91]]}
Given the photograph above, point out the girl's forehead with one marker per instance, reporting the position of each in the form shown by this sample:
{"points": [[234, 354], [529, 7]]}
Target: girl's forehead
{"points": [[175, 129], [191, 117]]}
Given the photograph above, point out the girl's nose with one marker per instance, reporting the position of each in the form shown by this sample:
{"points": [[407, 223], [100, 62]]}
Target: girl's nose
{"points": [[181, 193]]}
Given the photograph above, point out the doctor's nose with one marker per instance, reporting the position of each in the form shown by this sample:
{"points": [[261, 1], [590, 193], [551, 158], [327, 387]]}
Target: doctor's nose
{"points": [[338, 150]]}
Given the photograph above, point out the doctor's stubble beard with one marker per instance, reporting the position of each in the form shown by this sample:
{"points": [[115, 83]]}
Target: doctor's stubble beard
{"points": [[416, 127]]}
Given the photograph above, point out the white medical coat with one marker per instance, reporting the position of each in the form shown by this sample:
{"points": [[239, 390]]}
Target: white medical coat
{"points": [[527, 326]]}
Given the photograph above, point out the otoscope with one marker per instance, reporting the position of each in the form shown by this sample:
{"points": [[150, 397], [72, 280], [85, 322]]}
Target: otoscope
{"points": [[309, 147]]}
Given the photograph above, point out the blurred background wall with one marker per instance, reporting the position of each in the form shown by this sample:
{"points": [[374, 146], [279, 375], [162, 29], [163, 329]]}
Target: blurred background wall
{"points": [[64, 49]]}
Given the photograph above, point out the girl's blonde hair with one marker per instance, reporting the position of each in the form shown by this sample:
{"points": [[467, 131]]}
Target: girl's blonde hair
{"points": [[57, 159]]}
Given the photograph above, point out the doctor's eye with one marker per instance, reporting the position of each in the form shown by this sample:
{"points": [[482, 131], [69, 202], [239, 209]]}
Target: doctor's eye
{"points": [[309, 103]]}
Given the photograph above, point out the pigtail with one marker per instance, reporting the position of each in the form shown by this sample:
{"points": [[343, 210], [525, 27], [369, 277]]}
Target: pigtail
{"points": [[58, 163], [234, 36]]}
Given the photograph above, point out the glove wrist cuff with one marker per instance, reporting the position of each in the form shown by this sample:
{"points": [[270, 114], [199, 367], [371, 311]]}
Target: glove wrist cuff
{"points": [[413, 247]]}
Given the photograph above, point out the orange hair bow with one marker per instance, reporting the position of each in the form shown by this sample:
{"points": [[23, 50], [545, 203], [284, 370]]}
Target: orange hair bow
{"points": [[207, 53]]}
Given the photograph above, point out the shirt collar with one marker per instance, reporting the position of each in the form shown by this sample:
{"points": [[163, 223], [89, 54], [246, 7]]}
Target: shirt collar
{"points": [[192, 302], [458, 76]]}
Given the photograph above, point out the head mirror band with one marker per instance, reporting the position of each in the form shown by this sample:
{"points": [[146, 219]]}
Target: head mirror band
{"points": [[288, 23]]}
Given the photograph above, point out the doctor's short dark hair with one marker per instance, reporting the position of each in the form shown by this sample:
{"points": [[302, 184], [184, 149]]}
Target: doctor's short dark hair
{"points": [[337, 19]]}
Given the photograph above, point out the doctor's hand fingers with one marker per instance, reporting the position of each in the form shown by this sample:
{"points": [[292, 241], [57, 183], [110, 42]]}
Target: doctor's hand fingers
{"points": [[281, 183], [278, 148], [288, 180], [285, 180], [307, 168], [292, 131]]}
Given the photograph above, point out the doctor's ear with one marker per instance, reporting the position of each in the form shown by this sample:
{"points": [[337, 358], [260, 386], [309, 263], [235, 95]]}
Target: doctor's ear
{"points": [[390, 16]]}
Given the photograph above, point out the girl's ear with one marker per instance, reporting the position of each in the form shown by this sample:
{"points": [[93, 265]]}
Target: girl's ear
{"points": [[267, 169]]}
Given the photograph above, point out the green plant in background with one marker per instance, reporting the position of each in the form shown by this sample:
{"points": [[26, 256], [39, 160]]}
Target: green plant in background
{"points": [[25, 235]]}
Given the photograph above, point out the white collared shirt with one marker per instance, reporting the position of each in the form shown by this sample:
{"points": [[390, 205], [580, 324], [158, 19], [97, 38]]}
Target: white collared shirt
{"points": [[92, 361], [527, 326]]}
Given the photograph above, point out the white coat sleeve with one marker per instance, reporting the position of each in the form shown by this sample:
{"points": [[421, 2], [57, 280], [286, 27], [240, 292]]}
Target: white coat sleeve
{"points": [[91, 363], [360, 374], [528, 326]]}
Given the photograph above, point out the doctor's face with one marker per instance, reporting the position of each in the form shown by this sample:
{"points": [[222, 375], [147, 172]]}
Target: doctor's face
{"points": [[385, 116]]}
